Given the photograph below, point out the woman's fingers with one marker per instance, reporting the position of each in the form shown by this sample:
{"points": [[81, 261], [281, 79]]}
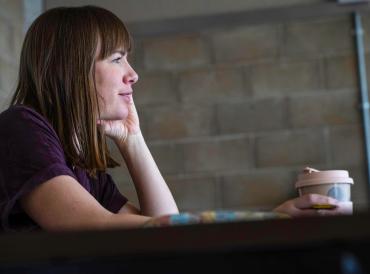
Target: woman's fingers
{"points": [[315, 205], [114, 129], [310, 200], [303, 206]]}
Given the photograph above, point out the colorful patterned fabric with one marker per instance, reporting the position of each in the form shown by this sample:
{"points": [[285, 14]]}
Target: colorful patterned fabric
{"points": [[217, 216]]}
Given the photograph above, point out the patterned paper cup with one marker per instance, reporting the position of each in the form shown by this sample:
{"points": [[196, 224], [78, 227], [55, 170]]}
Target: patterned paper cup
{"points": [[332, 183]]}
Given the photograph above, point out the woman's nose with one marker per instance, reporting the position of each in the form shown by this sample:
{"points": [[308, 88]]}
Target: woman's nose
{"points": [[131, 77]]}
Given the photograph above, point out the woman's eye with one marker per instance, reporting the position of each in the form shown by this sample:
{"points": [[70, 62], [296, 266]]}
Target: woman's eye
{"points": [[117, 60]]}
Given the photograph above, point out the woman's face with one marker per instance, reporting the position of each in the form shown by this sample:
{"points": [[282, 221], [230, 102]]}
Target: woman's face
{"points": [[114, 79]]}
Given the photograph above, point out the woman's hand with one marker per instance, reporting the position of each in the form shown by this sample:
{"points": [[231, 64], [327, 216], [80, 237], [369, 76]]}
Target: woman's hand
{"points": [[119, 130], [303, 206]]}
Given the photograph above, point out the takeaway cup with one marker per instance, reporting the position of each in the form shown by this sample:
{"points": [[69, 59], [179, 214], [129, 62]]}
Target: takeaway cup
{"points": [[332, 183]]}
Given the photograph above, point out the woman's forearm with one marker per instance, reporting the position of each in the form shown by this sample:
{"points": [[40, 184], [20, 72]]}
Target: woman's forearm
{"points": [[153, 193]]}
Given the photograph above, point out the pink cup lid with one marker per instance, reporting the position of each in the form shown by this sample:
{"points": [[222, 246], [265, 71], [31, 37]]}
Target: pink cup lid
{"points": [[310, 176]]}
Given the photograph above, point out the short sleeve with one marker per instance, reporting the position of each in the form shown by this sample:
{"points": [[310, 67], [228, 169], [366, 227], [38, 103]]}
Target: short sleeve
{"points": [[105, 191], [30, 154]]}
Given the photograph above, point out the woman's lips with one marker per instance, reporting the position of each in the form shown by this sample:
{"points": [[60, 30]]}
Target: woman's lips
{"points": [[127, 97]]}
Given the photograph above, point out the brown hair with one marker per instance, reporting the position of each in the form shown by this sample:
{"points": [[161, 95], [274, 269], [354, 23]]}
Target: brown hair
{"points": [[56, 77]]}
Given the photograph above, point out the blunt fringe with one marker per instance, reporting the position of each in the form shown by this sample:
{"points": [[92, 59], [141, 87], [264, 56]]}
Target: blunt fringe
{"points": [[56, 77]]}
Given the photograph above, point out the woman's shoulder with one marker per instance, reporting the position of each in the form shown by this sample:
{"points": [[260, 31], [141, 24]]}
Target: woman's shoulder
{"points": [[23, 127], [20, 112], [21, 117], [26, 136]]}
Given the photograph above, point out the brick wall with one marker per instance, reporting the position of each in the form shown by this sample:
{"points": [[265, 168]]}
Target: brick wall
{"points": [[232, 115]]}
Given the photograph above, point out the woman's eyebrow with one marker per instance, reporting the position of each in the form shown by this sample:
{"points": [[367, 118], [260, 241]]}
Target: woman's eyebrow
{"points": [[122, 52]]}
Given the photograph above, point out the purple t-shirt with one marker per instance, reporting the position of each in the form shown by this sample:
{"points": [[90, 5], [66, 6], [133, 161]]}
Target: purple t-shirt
{"points": [[31, 154]]}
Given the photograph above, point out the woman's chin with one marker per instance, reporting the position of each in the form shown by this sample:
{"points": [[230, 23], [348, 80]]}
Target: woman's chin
{"points": [[122, 116], [115, 116]]}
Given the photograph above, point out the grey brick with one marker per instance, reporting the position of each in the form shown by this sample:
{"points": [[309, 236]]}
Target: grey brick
{"points": [[341, 72], [281, 78], [130, 193], [155, 88], [323, 37], [120, 174], [331, 108], [8, 77], [185, 51], [18, 37], [123, 180], [171, 122], [135, 57], [250, 116], [5, 98], [261, 190], [247, 43], [290, 149], [218, 155], [219, 85], [12, 10], [195, 194], [6, 40], [114, 151], [347, 145], [169, 158]]}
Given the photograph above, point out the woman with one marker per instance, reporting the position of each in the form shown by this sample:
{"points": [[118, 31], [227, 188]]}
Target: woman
{"points": [[74, 90]]}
